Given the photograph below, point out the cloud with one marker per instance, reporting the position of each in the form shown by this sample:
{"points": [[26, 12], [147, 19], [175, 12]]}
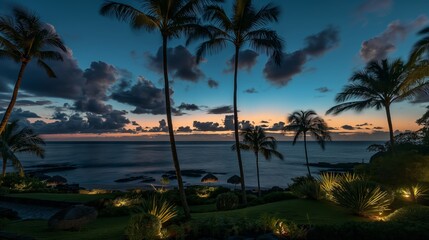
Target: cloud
{"points": [[188, 107], [207, 126], [372, 6], [57, 115], [250, 90], [323, 89], [212, 83], [186, 129], [264, 121], [363, 124], [181, 63], [246, 60], [161, 128], [18, 114], [293, 63], [221, 110], [277, 126], [347, 127], [379, 47], [378, 128]]}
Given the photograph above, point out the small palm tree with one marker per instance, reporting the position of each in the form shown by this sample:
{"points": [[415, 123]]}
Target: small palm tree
{"points": [[255, 140], [24, 37], [14, 140], [378, 86], [246, 25], [171, 18], [307, 122]]}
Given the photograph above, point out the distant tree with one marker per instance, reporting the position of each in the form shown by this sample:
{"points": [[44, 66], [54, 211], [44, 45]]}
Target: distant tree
{"points": [[255, 140], [15, 140], [171, 18], [307, 122], [378, 86], [246, 25], [24, 37]]}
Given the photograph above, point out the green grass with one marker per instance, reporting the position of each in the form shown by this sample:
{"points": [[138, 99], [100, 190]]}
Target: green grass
{"points": [[63, 197]]}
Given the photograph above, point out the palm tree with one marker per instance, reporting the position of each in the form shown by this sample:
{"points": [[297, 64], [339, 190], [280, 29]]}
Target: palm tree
{"points": [[422, 46], [22, 38], [255, 140], [307, 122], [171, 18], [378, 86], [14, 140], [247, 25]]}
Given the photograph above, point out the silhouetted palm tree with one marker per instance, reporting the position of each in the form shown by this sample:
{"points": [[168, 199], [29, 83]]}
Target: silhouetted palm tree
{"points": [[255, 140], [307, 122], [246, 25], [421, 47], [379, 85], [14, 140], [171, 18], [22, 38]]}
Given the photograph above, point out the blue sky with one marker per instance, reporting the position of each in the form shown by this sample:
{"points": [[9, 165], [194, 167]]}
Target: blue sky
{"points": [[94, 38]]}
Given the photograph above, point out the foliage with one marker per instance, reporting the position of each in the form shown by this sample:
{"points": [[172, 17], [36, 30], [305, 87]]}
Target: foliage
{"points": [[415, 213], [129, 199], [309, 189], [159, 207], [413, 192], [362, 197], [16, 183], [227, 201], [223, 227], [328, 181], [111, 211], [282, 228], [143, 226], [277, 196]]}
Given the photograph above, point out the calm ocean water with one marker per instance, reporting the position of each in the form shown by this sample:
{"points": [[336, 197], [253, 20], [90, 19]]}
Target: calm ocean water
{"points": [[99, 164]]}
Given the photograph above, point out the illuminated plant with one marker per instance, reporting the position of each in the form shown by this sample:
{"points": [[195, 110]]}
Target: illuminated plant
{"points": [[143, 226], [362, 197], [329, 180], [162, 209], [414, 192]]}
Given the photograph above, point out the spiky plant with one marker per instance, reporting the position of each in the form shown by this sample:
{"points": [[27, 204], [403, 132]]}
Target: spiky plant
{"points": [[328, 181], [159, 207], [362, 197], [309, 189], [414, 192]]}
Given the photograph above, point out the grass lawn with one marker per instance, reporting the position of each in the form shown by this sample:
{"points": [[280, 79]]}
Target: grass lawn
{"points": [[63, 197], [297, 210]]}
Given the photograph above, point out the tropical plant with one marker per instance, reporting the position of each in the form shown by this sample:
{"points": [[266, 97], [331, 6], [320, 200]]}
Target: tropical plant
{"points": [[171, 18], [143, 226], [307, 122], [255, 140], [226, 201], [328, 181], [247, 25], [15, 140], [422, 46], [309, 189], [378, 86], [24, 37], [414, 213], [362, 197], [159, 207], [414, 192]]}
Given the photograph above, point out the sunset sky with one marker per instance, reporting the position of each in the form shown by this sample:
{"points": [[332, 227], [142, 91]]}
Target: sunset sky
{"points": [[109, 86]]}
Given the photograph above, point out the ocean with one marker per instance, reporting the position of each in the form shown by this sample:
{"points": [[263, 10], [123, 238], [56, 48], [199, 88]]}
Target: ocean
{"points": [[99, 164]]}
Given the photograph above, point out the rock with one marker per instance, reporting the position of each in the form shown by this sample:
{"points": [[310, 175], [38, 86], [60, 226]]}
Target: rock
{"points": [[72, 218], [8, 213]]}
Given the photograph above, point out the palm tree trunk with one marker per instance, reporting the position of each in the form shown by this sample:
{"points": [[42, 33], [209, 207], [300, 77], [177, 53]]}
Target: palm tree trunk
{"points": [[171, 132], [389, 122], [257, 173], [9, 109], [4, 167], [306, 154], [237, 138]]}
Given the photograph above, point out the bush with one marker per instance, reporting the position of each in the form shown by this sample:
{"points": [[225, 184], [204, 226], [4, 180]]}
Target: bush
{"points": [[309, 189], [223, 227], [159, 207], [362, 197], [143, 226], [17, 183], [111, 211], [414, 213], [277, 196], [226, 201]]}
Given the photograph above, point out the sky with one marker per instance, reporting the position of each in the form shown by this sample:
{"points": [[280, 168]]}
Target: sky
{"points": [[110, 85]]}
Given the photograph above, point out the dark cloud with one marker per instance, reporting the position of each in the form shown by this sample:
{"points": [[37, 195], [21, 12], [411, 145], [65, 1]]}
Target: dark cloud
{"points": [[18, 114], [181, 63], [221, 110], [246, 60], [212, 83], [250, 90], [332, 128], [293, 63], [263, 121], [373, 6], [323, 89], [134, 123], [347, 127], [161, 128], [378, 128], [277, 126], [186, 129], [26, 103], [363, 124], [59, 116], [188, 107], [379, 47], [207, 126], [228, 122]]}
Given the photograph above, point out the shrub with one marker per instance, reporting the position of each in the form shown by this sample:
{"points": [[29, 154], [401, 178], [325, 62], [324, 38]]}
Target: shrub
{"points": [[362, 197], [226, 201], [413, 192], [18, 183], [282, 228], [414, 213], [159, 207], [224, 227], [329, 180], [309, 189], [277, 196], [111, 211], [143, 226], [299, 180]]}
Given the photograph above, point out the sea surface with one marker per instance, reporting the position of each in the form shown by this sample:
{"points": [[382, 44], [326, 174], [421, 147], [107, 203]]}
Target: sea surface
{"points": [[99, 164]]}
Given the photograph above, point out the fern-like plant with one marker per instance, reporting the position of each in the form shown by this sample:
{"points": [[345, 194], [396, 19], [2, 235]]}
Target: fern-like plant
{"points": [[309, 189], [159, 207], [328, 181], [362, 197]]}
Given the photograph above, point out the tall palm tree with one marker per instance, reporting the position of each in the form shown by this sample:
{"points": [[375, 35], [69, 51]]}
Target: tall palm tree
{"points": [[378, 86], [307, 122], [246, 26], [422, 46], [14, 140], [171, 18], [255, 140], [24, 37]]}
